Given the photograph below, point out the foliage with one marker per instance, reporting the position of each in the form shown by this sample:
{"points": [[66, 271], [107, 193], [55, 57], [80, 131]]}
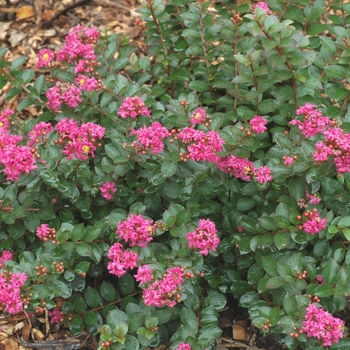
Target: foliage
{"points": [[283, 242]]}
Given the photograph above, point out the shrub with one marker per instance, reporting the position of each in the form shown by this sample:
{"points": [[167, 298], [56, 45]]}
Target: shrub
{"points": [[215, 166]]}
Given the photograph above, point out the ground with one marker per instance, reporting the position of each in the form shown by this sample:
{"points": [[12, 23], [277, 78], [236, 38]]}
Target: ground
{"points": [[25, 28]]}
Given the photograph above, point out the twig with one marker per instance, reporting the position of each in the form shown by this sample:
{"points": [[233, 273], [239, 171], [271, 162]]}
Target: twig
{"points": [[70, 7]]}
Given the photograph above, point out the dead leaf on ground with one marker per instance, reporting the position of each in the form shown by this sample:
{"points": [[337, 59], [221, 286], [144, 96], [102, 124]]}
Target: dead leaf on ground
{"points": [[24, 12]]}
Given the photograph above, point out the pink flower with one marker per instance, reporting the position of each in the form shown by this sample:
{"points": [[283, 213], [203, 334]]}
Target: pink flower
{"points": [[198, 116], [288, 160], [10, 291], [144, 274], [264, 6], [78, 45], [204, 238], [320, 280], [240, 229], [107, 190], [240, 168], [201, 145], [121, 260], [55, 316], [86, 83], [314, 224], [136, 229], [78, 141], [43, 231], [322, 152], [312, 199], [5, 117], [150, 138], [183, 346], [39, 133], [5, 256], [322, 325], [133, 107], [313, 122], [263, 175], [164, 292], [44, 58], [54, 98], [258, 124], [18, 160]]}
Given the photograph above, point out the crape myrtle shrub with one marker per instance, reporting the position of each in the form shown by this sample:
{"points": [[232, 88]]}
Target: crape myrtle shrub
{"points": [[152, 187]]}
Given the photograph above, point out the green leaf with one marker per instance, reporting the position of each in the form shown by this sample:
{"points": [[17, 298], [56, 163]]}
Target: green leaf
{"points": [[290, 305], [268, 223], [76, 325], [77, 233], [198, 85], [274, 282], [180, 74], [90, 318], [18, 62], [108, 292], [281, 221], [330, 272], [324, 290], [344, 222], [269, 264], [92, 297], [336, 71], [169, 168], [215, 300], [82, 266], [296, 187], [83, 249], [126, 284], [281, 239]]}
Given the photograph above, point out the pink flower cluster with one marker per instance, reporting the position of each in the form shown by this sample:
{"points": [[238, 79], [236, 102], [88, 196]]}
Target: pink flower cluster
{"points": [[144, 274], [288, 160], [107, 190], [55, 316], [198, 116], [264, 6], [263, 175], [240, 168], [63, 93], [78, 44], [337, 144], [16, 159], [43, 231], [45, 56], [313, 122], [314, 224], [322, 325], [121, 260], [258, 124], [201, 145], [86, 83], [163, 292], [133, 107], [312, 199], [10, 290], [78, 141], [39, 133], [183, 346], [204, 238], [150, 138], [5, 256], [136, 229], [5, 117]]}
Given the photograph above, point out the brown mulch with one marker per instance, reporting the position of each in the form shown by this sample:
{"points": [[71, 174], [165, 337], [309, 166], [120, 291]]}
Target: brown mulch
{"points": [[26, 26]]}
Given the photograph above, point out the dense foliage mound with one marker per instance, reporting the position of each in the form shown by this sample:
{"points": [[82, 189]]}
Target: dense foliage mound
{"points": [[153, 188]]}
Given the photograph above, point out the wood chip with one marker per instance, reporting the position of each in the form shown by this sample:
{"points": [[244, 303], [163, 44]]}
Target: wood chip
{"points": [[24, 12]]}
